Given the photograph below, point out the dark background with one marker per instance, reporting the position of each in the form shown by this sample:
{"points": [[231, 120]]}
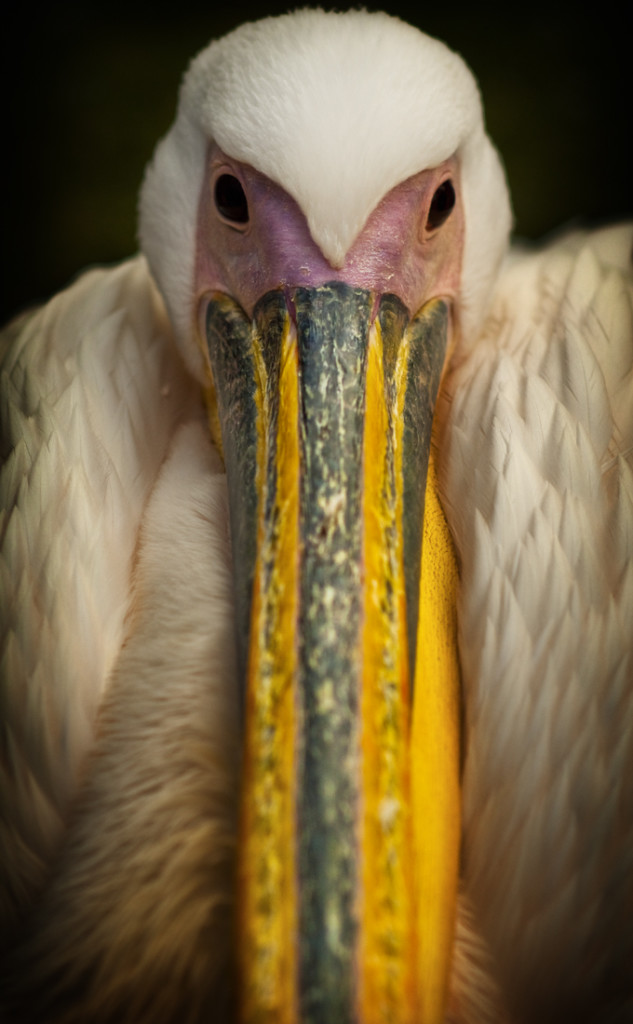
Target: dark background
{"points": [[87, 92]]}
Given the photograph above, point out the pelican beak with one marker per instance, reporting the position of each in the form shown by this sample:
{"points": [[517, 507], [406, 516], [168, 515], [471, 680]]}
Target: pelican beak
{"points": [[350, 804]]}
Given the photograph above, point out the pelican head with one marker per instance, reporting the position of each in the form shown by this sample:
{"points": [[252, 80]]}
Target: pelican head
{"points": [[325, 219]]}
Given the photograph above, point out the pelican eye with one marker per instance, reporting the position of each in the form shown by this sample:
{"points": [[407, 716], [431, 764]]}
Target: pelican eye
{"points": [[441, 205], [230, 199]]}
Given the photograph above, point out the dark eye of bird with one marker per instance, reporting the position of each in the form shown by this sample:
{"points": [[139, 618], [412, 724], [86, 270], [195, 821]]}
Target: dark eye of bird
{"points": [[441, 205], [230, 200]]}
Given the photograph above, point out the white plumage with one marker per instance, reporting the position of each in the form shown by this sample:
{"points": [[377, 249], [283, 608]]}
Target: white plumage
{"points": [[118, 777], [115, 545], [337, 139], [538, 435]]}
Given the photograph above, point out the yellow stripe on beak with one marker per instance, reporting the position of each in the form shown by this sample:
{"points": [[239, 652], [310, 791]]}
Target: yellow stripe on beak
{"points": [[267, 910], [411, 792], [435, 754], [386, 911]]}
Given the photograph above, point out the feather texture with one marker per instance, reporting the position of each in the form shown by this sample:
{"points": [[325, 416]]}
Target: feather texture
{"points": [[91, 392], [536, 467], [135, 923], [118, 702], [115, 559], [535, 455]]}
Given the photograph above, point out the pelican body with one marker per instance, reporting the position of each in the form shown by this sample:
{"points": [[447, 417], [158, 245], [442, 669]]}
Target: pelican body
{"points": [[316, 648]]}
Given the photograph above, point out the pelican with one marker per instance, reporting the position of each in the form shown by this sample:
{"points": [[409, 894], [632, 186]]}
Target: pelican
{"points": [[299, 723]]}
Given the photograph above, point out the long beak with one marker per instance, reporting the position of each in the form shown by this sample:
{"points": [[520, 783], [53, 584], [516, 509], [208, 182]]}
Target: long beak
{"points": [[350, 805]]}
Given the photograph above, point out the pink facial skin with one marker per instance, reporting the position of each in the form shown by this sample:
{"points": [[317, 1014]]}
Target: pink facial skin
{"points": [[395, 251]]}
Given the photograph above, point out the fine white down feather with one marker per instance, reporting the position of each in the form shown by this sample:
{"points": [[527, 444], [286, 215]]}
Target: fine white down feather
{"points": [[136, 920], [337, 108]]}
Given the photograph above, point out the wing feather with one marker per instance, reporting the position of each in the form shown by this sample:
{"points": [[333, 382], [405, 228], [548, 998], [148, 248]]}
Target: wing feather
{"points": [[536, 457], [91, 392]]}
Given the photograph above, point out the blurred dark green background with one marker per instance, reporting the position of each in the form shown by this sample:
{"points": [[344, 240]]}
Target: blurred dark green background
{"points": [[88, 90]]}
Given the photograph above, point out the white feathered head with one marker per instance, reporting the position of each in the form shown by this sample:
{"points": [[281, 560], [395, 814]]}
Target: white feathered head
{"points": [[337, 108]]}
